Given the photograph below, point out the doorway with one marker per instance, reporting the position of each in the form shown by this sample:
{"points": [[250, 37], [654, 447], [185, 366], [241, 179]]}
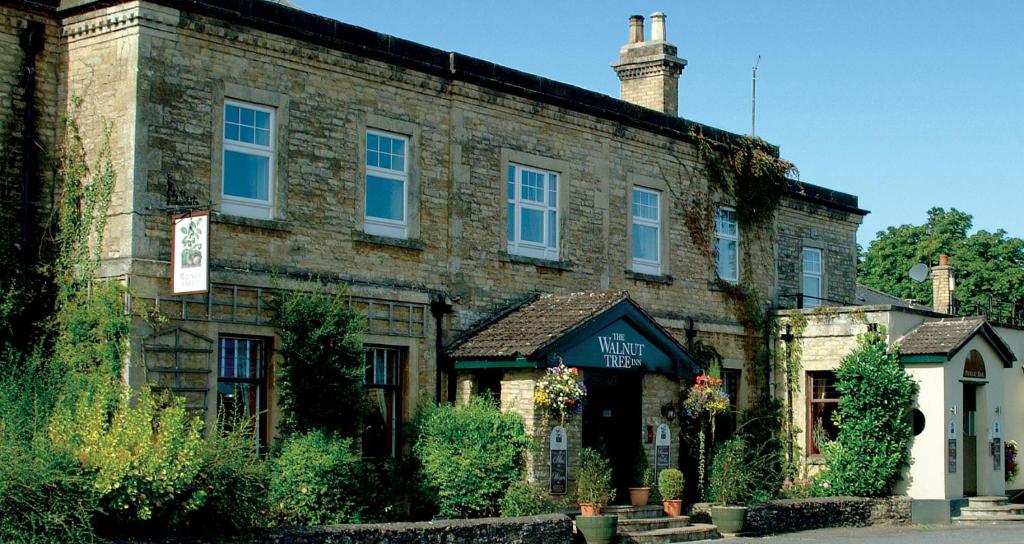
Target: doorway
{"points": [[612, 423], [970, 440]]}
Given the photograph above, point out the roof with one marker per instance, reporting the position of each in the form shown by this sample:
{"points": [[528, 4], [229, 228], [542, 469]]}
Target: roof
{"points": [[868, 296], [279, 18], [947, 336], [530, 327]]}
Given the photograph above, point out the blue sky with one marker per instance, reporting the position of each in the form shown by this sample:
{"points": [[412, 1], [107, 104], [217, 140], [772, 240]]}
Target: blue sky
{"points": [[907, 104]]}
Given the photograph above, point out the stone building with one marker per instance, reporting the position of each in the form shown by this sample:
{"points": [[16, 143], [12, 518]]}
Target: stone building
{"points": [[448, 193]]}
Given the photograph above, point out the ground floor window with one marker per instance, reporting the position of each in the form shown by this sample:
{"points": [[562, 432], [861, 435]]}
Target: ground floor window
{"points": [[725, 424], [822, 401], [242, 383], [383, 388]]}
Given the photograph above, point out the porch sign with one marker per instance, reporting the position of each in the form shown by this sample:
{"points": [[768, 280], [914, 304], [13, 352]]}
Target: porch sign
{"points": [[190, 253], [662, 450], [997, 446], [951, 447], [559, 461], [619, 346]]}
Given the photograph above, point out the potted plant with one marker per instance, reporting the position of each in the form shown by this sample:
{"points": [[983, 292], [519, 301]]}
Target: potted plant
{"points": [[731, 480], [594, 491], [670, 485], [643, 477]]}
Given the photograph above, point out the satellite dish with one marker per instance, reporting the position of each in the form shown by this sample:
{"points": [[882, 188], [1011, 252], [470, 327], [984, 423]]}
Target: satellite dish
{"points": [[919, 272]]}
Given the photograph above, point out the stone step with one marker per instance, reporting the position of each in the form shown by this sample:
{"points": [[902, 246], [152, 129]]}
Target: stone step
{"points": [[996, 510], [635, 512], [689, 533], [987, 501], [649, 524], [984, 520]]}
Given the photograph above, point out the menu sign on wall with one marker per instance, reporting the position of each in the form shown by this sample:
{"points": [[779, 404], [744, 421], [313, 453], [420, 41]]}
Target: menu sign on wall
{"points": [[662, 450], [951, 447], [190, 253], [559, 461]]}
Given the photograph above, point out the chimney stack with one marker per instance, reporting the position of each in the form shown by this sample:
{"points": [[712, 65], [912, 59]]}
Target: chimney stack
{"points": [[649, 70], [943, 285]]}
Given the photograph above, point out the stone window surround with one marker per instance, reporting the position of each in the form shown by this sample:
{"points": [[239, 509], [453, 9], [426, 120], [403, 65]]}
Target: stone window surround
{"points": [[738, 238], [279, 178], [665, 210], [414, 134], [556, 166]]}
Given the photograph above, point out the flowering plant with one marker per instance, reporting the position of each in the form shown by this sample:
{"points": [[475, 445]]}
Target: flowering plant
{"points": [[1011, 468], [706, 397], [561, 392]]}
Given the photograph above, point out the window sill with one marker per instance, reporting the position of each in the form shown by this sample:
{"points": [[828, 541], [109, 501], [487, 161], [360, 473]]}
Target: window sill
{"points": [[663, 279], [404, 243], [264, 224], [564, 266]]}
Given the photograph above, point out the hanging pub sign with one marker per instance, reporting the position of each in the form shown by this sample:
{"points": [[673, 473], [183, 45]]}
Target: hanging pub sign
{"points": [[559, 461], [190, 253], [662, 450]]}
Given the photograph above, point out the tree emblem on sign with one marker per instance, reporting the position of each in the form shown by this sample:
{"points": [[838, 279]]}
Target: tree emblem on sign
{"points": [[191, 246]]}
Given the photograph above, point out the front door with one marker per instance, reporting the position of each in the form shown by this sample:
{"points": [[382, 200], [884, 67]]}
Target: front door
{"points": [[612, 423], [970, 440]]}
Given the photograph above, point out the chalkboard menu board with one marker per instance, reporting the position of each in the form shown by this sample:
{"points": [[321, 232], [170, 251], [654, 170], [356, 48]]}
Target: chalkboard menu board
{"points": [[559, 461], [662, 450], [951, 453]]}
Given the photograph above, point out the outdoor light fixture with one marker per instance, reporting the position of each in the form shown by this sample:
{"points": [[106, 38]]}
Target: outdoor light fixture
{"points": [[668, 411], [787, 336]]}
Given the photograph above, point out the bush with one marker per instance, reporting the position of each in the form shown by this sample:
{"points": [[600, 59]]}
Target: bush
{"points": [[875, 398], [316, 481], [526, 499], [321, 373], [732, 477], [806, 488], [594, 479], [471, 454], [144, 457], [760, 428], [93, 330], [671, 484]]}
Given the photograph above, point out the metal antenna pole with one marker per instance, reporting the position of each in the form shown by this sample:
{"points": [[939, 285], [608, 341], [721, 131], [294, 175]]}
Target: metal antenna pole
{"points": [[753, 98]]}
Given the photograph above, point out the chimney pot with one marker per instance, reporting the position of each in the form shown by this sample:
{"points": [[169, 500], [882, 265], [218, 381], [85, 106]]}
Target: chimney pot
{"points": [[636, 29], [943, 260], [658, 26]]}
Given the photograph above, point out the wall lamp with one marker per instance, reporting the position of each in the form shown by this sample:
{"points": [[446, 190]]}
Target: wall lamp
{"points": [[787, 336], [668, 411]]}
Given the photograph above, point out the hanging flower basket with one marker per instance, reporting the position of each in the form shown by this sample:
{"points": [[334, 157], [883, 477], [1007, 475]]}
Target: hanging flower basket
{"points": [[560, 392]]}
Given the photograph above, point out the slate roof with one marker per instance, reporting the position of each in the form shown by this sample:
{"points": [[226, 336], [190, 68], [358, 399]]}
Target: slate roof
{"points": [[533, 325], [868, 296], [946, 336]]}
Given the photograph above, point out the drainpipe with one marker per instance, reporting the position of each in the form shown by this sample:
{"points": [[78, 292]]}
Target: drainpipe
{"points": [[31, 43], [438, 309]]}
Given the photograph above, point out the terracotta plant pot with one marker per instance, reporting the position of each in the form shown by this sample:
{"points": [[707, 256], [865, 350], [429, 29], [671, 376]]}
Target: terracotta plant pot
{"points": [[673, 509], [590, 509], [597, 529], [729, 519], [638, 495]]}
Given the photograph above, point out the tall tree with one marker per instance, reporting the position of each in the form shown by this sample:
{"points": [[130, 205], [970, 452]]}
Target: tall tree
{"points": [[989, 265]]}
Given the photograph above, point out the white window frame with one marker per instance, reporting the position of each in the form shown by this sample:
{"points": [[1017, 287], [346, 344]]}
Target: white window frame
{"points": [[381, 226], [548, 249], [646, 266], [811, 300], [242, 206], [728, 237]]}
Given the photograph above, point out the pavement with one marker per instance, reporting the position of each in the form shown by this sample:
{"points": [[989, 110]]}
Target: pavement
{"points": [[916, 534]]}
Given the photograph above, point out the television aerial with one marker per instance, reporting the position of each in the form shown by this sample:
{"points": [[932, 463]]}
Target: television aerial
{"points": [[919, 272]]}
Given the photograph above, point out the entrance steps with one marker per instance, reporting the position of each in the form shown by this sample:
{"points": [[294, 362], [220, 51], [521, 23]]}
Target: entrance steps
{"points": [[649, 525], [990, 510]]}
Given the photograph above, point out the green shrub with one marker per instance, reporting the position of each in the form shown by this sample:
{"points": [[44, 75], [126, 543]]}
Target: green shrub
{"points": [[316, 480], [321, 373], [761, 429], [875, 398], [671, 484], [93, 330], [732, 474], [805, 488], [594, 479], [470, 454], [526, 499], [145, 456]]}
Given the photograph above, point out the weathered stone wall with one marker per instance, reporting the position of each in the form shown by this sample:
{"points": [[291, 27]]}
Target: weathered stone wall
{"points": [[801, 224], [789, 515]]}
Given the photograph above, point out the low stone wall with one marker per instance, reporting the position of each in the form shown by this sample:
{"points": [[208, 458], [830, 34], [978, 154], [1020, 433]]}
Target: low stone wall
{"points": [[788, 515], [546, 529]]}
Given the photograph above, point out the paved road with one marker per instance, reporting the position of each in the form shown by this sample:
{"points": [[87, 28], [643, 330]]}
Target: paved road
{"points": [[935, 534]]}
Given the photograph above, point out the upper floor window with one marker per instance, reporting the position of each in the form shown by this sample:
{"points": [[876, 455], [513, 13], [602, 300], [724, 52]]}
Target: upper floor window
{"points": [[387, 183], [727, 241], [532, 212], [812, 277], [646, 231], [383, 388], [248, 160]]}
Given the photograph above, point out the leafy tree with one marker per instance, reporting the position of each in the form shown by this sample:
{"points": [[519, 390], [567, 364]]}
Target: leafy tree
{"points": [[989, 265], [875, 399]]}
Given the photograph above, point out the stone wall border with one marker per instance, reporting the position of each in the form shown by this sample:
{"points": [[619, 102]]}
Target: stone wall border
{"points": [[791, 515]]}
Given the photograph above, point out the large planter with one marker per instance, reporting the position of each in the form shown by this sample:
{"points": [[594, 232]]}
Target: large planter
{"points": [[673, 508], [729, 519], [597, 529], [638, 496]]}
